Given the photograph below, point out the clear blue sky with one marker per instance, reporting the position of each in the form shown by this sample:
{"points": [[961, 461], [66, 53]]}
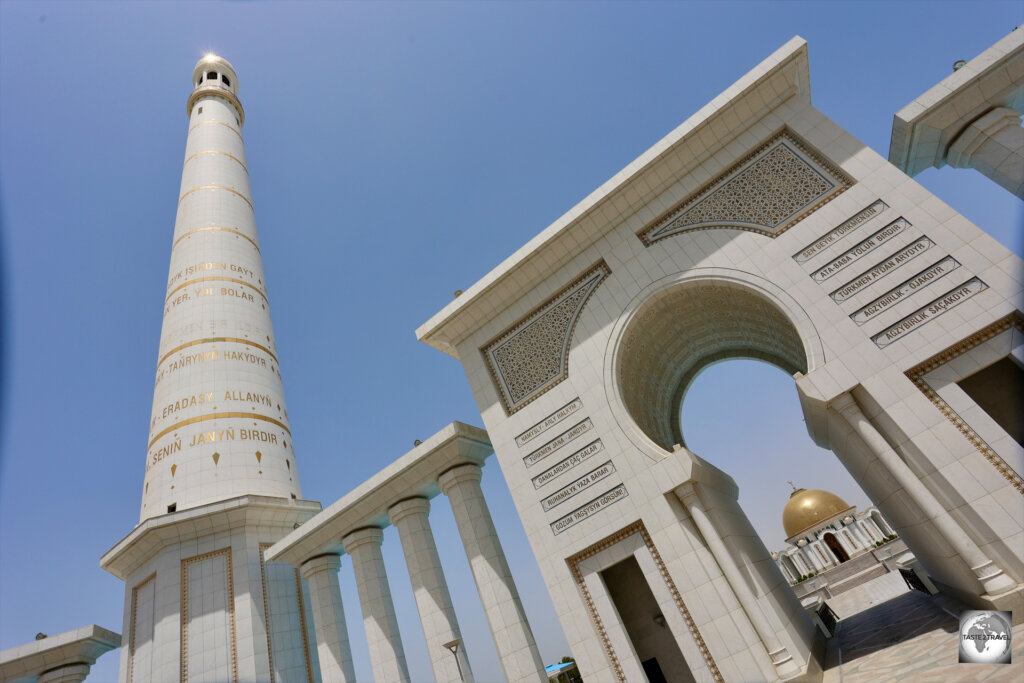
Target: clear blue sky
{"points": [[397, 152]]}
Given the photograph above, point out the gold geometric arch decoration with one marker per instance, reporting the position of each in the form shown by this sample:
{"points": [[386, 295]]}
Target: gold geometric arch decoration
{"points": [[768, 191], [533, 355]]}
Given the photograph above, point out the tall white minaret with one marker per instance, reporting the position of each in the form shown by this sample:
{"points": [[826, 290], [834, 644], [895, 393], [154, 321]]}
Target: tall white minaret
{"points": [[221, 483], [219, 426]]}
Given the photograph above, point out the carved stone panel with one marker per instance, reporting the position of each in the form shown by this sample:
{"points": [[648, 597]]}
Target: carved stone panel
{"points": [[766, 192], [533, 355]]}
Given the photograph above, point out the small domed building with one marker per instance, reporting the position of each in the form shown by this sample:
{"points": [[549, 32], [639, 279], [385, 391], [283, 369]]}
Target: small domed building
{"points": [[824, 531]]}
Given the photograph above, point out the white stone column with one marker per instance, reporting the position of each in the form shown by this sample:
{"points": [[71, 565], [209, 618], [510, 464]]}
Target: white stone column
{"points": [[882, 534], [789, 568], [387, 657], [856, 528], [994, 145], [784, 663], [882, 524], [869, 534], [433, 601], [847, 540], [821, 555], [782, 568], [72, 673], [830, 557], [990, 576], [332, 647], [810, 559], [513, 638], [803, 567]]}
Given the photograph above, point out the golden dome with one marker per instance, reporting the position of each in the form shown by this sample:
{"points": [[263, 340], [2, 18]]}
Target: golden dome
{"points": [[807, 507]]}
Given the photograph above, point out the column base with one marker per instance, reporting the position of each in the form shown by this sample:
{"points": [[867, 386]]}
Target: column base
{"points": [[994, 581], [785, 665], [1011, 601]]}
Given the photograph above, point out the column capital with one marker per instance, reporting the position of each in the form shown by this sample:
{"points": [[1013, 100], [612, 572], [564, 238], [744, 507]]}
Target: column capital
{"points": [[321, 563], [978, 132], [360, 537], [408, 507], [68, 673], [845, 404], [458, 475], [687, 493]]}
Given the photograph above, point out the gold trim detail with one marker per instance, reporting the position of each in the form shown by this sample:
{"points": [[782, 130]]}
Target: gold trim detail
{"points": [[216, 227], [916, 375], [266, 609], [217, 151], [607, 542], [210, 340], [214, 416], [184, 611], [302, 623], [217, 187], [135, 611], [215, 91], [222, 279], [219, 123]]}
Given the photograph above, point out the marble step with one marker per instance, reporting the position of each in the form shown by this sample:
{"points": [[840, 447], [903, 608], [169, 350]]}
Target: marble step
{"points": [[857, 579]]}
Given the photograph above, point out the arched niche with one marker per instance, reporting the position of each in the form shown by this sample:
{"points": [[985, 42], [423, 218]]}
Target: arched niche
{"points": [[678, 327]]}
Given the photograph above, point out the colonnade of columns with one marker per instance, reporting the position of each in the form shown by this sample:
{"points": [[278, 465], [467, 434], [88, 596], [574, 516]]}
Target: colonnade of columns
{"points": [[513, 638]]}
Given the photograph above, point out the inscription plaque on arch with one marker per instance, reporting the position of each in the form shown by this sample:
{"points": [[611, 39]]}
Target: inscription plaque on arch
{"points": [[569, 463], [905, 289], [593, 507], [559, 441], [832, 236], [550, 421], [927, 313], [862, 249], [869, 277], [579, 486]]}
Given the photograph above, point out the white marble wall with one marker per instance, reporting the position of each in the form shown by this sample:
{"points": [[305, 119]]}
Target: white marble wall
{"points": [[841, 358]]}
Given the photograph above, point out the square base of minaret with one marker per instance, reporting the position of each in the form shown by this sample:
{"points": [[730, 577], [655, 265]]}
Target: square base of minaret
{"points": [[201, 602]]}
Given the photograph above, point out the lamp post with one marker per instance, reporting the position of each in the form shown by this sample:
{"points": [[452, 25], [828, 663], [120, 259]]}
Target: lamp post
{"points": [[453, 647]]}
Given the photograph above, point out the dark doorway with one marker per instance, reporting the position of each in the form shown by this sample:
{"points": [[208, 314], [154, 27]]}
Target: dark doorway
{"points": [[833, 544], [999, 390], [653, 671], [653, 641]]}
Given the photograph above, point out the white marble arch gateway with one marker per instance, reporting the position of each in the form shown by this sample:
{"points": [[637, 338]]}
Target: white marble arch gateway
{"points": [[758, 228]]}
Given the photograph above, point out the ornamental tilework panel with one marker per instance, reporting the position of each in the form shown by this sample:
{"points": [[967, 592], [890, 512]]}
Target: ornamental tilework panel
{"points": [[533, 355], [767, 192]]}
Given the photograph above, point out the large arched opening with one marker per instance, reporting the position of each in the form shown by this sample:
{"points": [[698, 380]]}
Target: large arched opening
{"points": [[671, 334], [684, 328], [745, 417]]}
